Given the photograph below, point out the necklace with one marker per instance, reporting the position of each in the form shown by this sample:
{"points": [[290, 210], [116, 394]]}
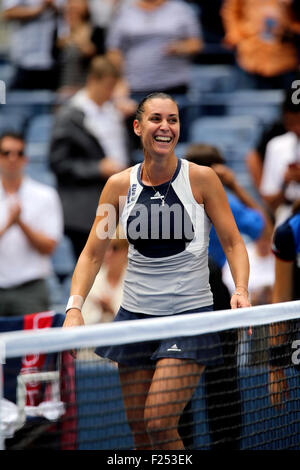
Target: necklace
{"points": [[157, 194]]}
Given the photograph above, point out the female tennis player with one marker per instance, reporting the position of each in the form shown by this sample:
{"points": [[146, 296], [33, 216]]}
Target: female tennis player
{"points": [[168, 205]]}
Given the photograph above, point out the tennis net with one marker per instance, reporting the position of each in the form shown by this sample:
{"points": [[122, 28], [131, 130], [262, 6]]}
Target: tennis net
{"points": [[247, 397]]}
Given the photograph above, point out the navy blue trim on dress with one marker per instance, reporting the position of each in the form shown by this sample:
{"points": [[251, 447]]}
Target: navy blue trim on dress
{"points": [[163, 184]]}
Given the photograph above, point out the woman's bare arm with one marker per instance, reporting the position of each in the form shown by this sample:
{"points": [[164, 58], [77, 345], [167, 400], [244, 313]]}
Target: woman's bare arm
{"points": [[211, 193], [102, 231]]}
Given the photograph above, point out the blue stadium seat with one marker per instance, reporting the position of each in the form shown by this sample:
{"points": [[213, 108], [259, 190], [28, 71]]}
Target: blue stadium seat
{"points": [[180, 149], [55, 293], [42, 99], [6, 74], [40, 128], [211, 78], [63, 259], [10, 121], [258, 97], [265, 105], [38, 164], [30, 103], [39, 171], [267, 114], [65, 289], [233, 136], [37, 151], [212, 103], [226, 131]]}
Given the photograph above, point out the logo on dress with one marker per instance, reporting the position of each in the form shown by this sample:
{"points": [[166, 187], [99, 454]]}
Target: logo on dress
{"points": [[133, 192], [157, 195], [174, 348]]}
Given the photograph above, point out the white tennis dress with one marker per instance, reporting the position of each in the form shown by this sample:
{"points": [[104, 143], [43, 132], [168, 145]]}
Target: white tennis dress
{"points": [[168, 234]]}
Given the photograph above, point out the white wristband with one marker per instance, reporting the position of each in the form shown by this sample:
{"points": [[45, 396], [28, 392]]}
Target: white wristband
{"points": [[75, 301]]}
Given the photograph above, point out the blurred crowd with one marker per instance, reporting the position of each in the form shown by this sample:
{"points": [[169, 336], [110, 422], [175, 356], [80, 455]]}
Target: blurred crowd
{"points": [[99, 58]]}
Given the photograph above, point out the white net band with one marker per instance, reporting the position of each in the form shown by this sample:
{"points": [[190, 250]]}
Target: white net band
{"points": [[20, 343]]}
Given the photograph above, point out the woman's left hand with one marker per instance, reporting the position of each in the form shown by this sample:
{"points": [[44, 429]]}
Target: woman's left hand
{"points": [[239, 300]]}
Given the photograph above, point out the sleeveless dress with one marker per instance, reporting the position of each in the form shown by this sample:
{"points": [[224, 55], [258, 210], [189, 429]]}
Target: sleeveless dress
{"points": [[167, 272]]}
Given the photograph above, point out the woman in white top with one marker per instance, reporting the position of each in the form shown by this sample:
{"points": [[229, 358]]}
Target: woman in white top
{"points": [[167, 274], [153, 42]]}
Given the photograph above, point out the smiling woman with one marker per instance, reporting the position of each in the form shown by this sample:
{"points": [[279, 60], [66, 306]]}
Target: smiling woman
{"points": [[157, 125], [167, 271]]}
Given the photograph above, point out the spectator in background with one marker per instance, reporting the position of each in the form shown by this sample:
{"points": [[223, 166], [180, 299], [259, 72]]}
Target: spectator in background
{"points": [[286, 248], [280, 183], [209, 15], [264, 35], [261, 282], [153, 41], [256, 157], [35, 28], [295, 5], [222, 391], [250, 217], [88, 145], [30, 227], [262, 268], [80, 42], [102, 12]]}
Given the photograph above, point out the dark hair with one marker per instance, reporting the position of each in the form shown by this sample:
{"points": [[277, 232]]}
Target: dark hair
{"points": [[203, 154], [151, 96], [12, 135], [290, 104]]}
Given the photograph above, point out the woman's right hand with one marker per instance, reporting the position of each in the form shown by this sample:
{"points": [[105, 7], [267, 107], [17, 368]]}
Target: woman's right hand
{"points": [[73, 318]]}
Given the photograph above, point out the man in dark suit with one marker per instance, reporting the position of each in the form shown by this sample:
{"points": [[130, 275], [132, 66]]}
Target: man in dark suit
{"points": [[81, 152]]}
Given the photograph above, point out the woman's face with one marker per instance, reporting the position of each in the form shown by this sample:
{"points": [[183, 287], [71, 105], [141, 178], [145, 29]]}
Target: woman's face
{"points": [[159, 126]]}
